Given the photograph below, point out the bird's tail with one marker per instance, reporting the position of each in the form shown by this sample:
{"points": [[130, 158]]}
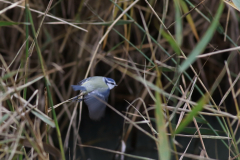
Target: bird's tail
{"points": [[77, 88]]}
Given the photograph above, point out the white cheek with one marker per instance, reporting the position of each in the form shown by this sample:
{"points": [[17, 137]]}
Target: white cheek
{"points": [[110, 86]]}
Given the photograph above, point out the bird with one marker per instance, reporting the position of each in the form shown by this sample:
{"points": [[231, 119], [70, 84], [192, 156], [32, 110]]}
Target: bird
{"points": [[94, 90]]}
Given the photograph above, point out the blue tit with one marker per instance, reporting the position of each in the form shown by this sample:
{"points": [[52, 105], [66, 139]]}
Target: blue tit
{"points": [[93, 89]]}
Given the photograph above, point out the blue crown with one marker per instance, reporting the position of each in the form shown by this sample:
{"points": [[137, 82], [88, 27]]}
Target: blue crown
{"points": [[110, 80]]}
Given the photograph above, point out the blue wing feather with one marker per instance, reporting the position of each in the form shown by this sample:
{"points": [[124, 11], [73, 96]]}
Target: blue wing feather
{"points": [[78, 88], [84, 80], [95, 106]]}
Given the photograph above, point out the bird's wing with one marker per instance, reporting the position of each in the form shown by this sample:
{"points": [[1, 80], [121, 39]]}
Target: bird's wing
{"points": [[95, 106], [78, 88], [84, 80]]}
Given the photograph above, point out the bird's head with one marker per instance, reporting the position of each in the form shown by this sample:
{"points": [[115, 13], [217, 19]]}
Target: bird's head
{"points": [[110, 82]]}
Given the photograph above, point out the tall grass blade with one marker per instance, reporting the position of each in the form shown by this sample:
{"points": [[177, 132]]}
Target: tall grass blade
{"points": [[204, 41], [163, 143], [190, 116], [7, 23], [46, 84], [178, 26]]}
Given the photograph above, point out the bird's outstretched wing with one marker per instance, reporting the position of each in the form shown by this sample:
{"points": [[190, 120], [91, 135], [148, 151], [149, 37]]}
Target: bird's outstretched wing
{"points": [[95, 106]]}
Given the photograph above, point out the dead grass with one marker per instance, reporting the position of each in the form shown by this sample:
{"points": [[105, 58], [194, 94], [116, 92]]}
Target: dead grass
{"points": [[168, 89]]}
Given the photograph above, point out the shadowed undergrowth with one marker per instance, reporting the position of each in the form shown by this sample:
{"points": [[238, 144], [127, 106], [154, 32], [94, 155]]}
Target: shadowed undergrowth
{"points": [[176, 64]]}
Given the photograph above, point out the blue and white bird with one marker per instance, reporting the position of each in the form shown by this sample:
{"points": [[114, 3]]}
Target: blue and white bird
{"points": [[92, 89]]}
